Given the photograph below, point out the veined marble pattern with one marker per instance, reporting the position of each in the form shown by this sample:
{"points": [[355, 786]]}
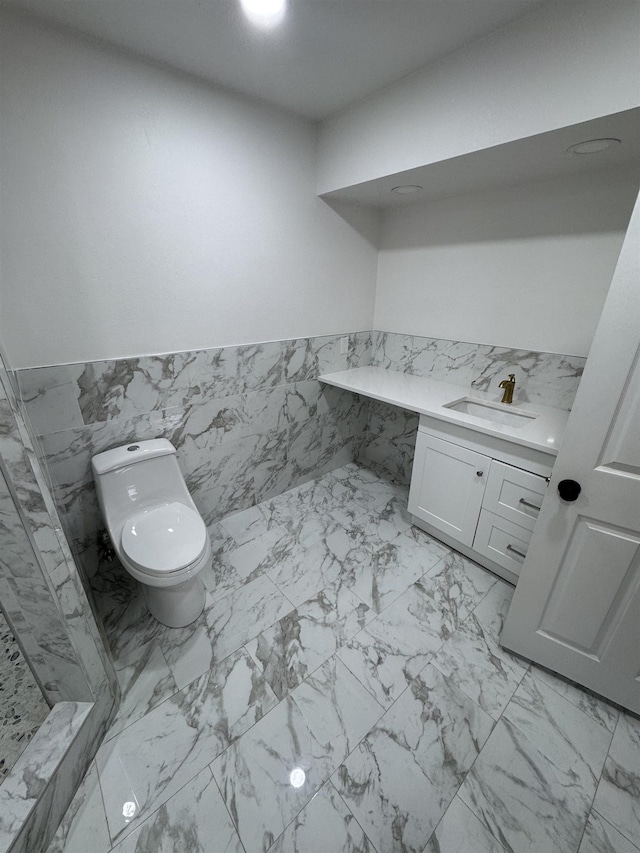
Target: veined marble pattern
{"points": [[281, 763], [546, 378], [20, 792], [400, 780], [152, 759], [327, 725], [48, 608], [550, 379], [249, 422], [325, 824], [618, 796]]}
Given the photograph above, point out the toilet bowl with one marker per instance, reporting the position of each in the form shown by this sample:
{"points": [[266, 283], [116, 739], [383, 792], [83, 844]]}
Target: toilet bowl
{"points": [[155, 527]]}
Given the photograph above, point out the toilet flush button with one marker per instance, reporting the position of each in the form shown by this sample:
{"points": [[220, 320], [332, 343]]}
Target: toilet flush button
{"points": [[133, 447]]}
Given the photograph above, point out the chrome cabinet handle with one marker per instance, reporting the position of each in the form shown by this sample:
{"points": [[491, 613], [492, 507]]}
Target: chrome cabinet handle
{"points": [[526, 503], [515, 551], [479, 473]]}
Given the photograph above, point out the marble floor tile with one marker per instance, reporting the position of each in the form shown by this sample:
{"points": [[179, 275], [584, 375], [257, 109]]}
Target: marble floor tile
{"points": [[378, 575], [385, 529], [306, 572], [527, 802], [576, 743], [225, 626], [325, 824], [84, 826], [402, 724], [256, 556], [245, 524], [618, 795], [482, 669], [400, 780], [147, 763], [188, 651], [600, 837], [272, 772], [300, 642], [595, 707], [318, 497], [145, 681], [241, 616], [194, 819], [458, 585], [130, 626], [370, 490], [492, 610], [460, 831], [395, 646], [221, 578]]}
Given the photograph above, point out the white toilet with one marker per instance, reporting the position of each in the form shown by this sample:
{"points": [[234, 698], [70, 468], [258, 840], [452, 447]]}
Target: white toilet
{"points": [[155, 528]]}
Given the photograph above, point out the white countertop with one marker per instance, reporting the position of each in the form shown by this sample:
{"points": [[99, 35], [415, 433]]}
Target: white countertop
{"points": [[429, 396]]}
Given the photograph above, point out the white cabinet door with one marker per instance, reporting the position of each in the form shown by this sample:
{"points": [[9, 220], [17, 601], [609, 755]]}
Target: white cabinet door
{"points": [[447, 485], [576, 608]]}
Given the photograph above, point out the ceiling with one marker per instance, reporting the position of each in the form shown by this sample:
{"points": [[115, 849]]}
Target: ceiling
{"points": [[325, 55], [540, 157]]}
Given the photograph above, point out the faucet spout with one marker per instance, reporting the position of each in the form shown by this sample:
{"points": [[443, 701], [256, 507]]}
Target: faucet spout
{"points": [[508, 385]]}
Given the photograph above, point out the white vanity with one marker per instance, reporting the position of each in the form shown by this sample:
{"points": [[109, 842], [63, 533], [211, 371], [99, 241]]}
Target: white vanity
{"points": [[481, 468]]}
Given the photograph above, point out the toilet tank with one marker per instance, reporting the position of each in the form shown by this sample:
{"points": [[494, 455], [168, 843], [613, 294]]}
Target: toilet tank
{"points": [[136, 476]]}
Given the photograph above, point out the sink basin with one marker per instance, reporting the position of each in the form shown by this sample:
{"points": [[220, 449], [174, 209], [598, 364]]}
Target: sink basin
{"points": [[497, 413]]}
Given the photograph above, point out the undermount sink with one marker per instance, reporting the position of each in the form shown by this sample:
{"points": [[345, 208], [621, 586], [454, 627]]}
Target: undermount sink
{"points": [[497, 413]]}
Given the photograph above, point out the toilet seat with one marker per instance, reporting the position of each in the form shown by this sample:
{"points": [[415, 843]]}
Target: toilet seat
{"points": [[164, 539]]}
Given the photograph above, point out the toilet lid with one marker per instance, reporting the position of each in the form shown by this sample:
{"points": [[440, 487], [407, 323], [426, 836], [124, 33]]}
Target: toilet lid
{"points": [[165, 538]]}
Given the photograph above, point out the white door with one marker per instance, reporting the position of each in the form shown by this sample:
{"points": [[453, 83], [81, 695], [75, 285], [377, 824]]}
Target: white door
{"points": [[447, 485], [576, 609]]}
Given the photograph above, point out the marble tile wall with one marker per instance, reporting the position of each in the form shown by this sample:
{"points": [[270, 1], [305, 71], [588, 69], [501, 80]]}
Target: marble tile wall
{"points": [[45, 600], [249, 422], [548, 379]]}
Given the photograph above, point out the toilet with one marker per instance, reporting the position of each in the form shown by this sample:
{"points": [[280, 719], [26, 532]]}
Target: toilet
{"points": [[155, 528]]}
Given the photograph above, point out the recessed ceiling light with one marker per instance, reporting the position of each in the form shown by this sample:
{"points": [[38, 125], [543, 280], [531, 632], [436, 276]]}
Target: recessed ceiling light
{"points": [[407, 189], [264, 13], [592, 146]]}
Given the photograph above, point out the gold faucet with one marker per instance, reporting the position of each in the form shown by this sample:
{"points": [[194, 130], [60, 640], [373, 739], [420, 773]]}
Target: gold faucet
{"points": [[508, 385]]}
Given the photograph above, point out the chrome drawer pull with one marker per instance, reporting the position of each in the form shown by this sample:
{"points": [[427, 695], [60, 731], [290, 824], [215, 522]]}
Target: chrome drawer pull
{"points": [[515, 551], [526, 503]]}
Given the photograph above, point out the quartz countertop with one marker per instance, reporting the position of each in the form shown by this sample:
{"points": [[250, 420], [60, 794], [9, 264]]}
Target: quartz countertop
{"points": [[429, 396]]}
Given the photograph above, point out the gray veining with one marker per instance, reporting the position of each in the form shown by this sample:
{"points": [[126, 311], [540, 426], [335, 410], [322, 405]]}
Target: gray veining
{"points": [[330, 724]]}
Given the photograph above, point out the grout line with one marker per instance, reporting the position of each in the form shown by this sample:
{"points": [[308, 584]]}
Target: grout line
{"points": [[233, 823], [613, 826], [584, 690], [346, 805], [335, 655]]}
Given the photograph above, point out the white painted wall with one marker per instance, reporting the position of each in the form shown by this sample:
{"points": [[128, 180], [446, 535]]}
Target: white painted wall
{"points": [[526, 267], [145, 212], [565, 63]]}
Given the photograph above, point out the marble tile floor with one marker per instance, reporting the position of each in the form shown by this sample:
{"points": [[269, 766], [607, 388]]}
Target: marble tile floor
{"points": [[345, 690]]}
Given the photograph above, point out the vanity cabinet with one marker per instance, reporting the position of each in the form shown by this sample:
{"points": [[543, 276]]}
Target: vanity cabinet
{"points": [[447, 486], [484, 504]]}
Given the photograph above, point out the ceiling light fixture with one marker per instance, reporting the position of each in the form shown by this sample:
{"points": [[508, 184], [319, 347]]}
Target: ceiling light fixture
{"points": [[592, 146], [264, 13], [407, 189]]}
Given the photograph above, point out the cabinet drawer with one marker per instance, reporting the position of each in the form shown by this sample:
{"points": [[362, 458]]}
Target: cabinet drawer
{"points": [[501, 541], [514, 494]]}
